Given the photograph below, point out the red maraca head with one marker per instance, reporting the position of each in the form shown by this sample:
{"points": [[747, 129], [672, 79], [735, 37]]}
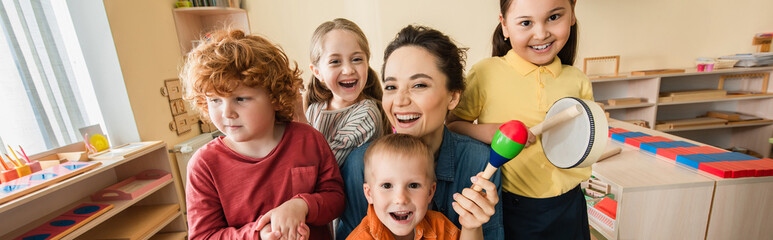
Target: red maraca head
{"points": [[508, 142]]}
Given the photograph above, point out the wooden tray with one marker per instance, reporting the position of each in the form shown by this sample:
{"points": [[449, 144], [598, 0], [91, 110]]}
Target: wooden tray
{"points": [[656, 72], [692, 122], [68, 222], [44, 178], [692, 95], [132, 187], [136, 222]]}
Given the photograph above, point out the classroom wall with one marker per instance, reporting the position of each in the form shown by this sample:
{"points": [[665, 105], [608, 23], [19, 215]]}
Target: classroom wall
{"points": [[149, 53], [648, 34]]}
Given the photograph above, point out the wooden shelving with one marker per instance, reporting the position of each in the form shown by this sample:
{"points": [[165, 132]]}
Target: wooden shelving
{"points": [[23, 214], [751, 136], [193, 23]]}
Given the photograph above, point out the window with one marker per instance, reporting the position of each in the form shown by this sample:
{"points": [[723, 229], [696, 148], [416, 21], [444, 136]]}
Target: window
{"points": [[46, 93]]}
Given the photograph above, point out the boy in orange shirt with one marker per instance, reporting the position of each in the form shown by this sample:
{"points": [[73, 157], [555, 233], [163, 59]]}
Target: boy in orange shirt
{"points": [[399, 185]]}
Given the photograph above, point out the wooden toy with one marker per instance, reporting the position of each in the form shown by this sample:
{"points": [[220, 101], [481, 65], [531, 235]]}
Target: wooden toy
{"points": [[507, 143], [573, 141], [762, 41], [600, 186], [66, 223], [624, 101], [608, 206], [692, 122], [620, 137], [615, 59], [133, 187], [692, 95], [656, 72], [672, 153], [748, 78], [693, 160], [23, 185]]}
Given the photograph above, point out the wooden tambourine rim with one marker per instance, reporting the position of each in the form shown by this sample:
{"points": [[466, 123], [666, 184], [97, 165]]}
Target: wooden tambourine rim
{"points": [[596, 129]]}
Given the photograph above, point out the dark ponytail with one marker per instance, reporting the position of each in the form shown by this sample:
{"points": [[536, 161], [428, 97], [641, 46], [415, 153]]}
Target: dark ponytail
{"points": [[500, 47]]}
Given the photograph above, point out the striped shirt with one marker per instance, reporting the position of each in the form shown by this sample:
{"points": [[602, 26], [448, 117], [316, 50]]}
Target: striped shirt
{"points": [[347, 128]]}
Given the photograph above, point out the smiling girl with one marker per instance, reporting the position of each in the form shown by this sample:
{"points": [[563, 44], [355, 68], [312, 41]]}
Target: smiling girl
{"points": [[343, 98], [521, 81]]}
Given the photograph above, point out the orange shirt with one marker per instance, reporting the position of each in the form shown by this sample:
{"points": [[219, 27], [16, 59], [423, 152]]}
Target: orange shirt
{"points": [[434, 226]]}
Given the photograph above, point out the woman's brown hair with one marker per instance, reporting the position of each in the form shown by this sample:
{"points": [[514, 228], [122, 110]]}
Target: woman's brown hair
{"points": [[500, 46]]}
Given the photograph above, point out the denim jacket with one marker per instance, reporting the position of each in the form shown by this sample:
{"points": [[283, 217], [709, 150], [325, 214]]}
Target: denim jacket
{"points": [[460, 157]]}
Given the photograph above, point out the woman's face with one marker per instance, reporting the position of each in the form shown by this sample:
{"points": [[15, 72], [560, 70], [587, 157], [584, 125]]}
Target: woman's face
{"points": [[416, 98]]}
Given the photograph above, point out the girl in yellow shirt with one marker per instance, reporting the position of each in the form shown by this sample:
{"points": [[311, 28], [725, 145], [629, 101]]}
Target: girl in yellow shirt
{"points": [[521, 81]]}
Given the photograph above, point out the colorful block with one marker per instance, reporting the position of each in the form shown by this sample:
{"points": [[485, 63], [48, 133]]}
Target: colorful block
{"points": [[653, 147], [607, 206], [716, 168], [730, 156], [620, 137], [694, 160], [637, 141], [616, 130], [672, 153], [705, 149], [66, 223]]}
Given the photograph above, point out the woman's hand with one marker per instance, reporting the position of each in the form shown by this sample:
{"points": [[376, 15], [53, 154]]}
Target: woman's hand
{"points": [[476, 208], [288, 219]]}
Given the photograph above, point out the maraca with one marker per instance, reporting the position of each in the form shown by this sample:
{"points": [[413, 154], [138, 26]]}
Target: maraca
{"points": [[508, 142]]}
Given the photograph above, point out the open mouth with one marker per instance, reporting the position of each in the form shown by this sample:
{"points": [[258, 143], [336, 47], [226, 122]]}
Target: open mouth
{"points": [[541, 47], [407, 118], [348, 83], [401, 216]]}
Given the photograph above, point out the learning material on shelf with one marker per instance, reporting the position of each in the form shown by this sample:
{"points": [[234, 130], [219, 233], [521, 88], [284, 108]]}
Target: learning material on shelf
{"points": [[656, 72], [690, 122], [41, 179], [66, 223], [692, 95]]}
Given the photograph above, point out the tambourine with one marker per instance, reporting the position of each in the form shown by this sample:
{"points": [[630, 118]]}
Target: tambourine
{"points": [[574, 141]]}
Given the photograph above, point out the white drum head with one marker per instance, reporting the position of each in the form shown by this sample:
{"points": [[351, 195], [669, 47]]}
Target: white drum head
{"points": [[577, 142]]}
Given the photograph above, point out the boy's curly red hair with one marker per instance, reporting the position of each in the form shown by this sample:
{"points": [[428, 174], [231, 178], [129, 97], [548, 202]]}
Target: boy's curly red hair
{"points": [[230, 58]]}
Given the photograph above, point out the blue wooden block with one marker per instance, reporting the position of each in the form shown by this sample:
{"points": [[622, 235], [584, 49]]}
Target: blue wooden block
{"points": [[622, 136], [693, 160], [681, 144], [730, 156], [654, 146]]}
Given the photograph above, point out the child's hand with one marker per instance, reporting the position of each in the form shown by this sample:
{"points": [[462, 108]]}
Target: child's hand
{"points": [[287, 219], [267, 234], [476, 208], [530, 140]]}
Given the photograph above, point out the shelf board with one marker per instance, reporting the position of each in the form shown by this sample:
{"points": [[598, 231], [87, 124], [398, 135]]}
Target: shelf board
{"points": [[688, 72], [106, 165], [716, 126], [125, 226], [118, 207], [202, 11], [638, 105], [726, 98]]}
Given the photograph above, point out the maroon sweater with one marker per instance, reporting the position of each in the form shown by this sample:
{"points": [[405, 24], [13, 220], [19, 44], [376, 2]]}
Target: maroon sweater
{"points": [[227, 192]]}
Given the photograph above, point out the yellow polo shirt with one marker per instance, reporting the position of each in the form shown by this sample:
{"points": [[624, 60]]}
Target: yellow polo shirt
{"points": [[506, 88]]}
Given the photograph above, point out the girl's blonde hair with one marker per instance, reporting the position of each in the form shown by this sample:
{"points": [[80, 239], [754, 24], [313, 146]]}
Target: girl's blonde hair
{"points": [[227, 59], [317, 92]]}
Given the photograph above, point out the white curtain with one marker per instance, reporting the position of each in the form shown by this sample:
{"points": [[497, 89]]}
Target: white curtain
{"points": [[41, 76]]}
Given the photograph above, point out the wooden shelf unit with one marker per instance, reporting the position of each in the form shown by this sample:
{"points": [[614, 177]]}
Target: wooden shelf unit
{"points": [[752, 136], [192, 23], [660, 199], [30, 211]]}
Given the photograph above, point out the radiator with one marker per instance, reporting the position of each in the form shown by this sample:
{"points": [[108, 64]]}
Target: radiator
{"points": [[184, 151]]}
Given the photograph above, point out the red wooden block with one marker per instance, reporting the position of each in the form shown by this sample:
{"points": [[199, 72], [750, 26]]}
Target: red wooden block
{"points": [[764, 167], [616, 130], [716, 168], [634, 141], [759, 168], [660, 139], [739, 169], [608, 206], [671, 153], [705, 149]]}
